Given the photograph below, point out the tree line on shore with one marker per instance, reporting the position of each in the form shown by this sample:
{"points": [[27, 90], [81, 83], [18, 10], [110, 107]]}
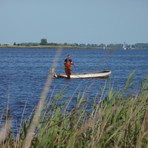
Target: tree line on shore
{"points": [[44, 42]]}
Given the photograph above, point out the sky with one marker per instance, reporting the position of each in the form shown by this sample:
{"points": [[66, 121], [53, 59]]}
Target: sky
{"points": [[74, 21]]}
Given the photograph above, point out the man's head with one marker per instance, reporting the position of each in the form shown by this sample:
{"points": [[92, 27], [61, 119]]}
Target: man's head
{"points": [[68, 56]]}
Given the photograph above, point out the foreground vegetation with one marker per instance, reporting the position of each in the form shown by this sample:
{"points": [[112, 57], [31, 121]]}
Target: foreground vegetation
{"points": [[119, 120]]}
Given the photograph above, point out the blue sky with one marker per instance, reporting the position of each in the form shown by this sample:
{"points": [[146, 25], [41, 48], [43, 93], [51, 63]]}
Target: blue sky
{"points": [[74, 21]]}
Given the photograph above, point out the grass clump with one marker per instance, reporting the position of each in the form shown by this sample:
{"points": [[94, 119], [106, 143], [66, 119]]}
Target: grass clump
{"points": [[117, 121]]}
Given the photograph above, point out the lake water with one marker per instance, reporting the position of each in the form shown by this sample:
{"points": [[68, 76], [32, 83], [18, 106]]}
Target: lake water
{"points": [[23, 73]]}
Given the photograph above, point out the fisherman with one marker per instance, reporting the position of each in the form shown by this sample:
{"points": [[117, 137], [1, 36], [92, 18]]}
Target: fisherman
{"points": [[68, 66]]}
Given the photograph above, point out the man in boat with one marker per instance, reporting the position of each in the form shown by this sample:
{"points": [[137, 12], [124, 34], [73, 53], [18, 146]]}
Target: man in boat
{"points": [[68, 66]]}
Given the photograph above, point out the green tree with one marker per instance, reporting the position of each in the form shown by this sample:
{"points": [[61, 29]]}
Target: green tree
{"points": [[43, 41]]}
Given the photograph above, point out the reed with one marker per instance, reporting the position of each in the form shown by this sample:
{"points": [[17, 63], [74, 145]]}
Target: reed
{"points": [[119, 120]]}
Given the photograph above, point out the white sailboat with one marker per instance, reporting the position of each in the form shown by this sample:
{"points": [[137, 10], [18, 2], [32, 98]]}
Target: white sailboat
{"points": [[124, 46]]}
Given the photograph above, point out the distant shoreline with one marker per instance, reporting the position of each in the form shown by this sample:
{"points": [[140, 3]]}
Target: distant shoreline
{"points": [[47, 47], [60, 47]]}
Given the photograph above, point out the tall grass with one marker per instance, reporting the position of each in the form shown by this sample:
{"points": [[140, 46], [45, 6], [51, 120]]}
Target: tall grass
{"points": [[119, 120]]}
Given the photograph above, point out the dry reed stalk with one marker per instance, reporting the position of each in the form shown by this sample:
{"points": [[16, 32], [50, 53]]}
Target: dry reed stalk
{"points": [[6, 127], [4, 131], [30, 133], [19, 131], [104, 58]]}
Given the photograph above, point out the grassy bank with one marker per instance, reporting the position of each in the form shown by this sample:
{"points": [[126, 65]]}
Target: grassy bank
{"points": [[60, 47], [118, 121], [48, 47]]}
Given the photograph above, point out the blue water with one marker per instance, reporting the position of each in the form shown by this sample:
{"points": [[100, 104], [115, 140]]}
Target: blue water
{"points": [[23, 73]]}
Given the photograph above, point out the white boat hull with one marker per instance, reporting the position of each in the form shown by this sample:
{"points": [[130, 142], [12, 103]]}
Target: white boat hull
{"points": [[101, 74]]}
